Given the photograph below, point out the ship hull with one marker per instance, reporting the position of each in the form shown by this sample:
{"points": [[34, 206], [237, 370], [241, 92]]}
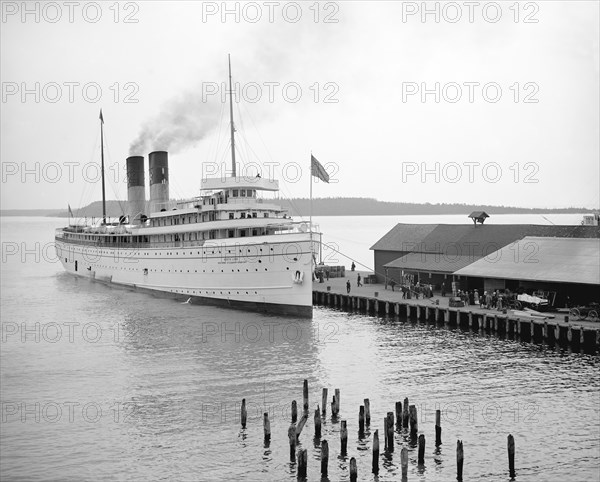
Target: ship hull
{"points": [[265, 274]]}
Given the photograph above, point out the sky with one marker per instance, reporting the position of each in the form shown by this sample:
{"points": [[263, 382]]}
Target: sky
{"points": [[432, 102]]}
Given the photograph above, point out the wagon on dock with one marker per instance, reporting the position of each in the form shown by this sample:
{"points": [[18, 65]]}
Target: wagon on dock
{"points": [[586, 312]]}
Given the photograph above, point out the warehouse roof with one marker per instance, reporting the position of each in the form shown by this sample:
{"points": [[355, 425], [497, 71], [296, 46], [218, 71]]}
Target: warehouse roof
{"points": [[432, 262], [468, 239], [566, 260]]}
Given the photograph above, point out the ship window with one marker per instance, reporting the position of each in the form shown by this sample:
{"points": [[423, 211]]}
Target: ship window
{"points": [[243, 215], [231, 215], [255, 232], [242, 192], [254, 215], [231, 233], [242, 233], [266, 215], [235, 193]]}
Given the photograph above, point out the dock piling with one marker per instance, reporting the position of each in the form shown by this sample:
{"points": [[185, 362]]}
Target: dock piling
{"points": [[511, 456], [376, 452], [344, 437], [243, 413], [438, 428]]}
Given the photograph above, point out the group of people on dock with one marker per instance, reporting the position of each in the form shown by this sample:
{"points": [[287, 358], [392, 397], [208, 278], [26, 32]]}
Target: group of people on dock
{"points": [[491, 300]]}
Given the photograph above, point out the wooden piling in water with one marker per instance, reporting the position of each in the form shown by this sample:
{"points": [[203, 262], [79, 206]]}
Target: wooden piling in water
{"points": [[324, 457], [243, 413], [337, 401], [294, 411], [405, 414], [305, 396], [292, 441], [414, 424], [438, 428], [300, 425], [421, 456], [361, 421], [317, 423], [333, 414], [404, 462], [390, 431], [344, 437], [511, 456], [399, 414], [367, 412], [324, 401], [376, 452], [353, 470], [302, 463], [267, 427], [459, 460]]}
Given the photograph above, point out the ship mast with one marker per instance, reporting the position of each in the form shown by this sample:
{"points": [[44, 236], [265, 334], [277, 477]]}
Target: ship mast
{"points": [[102, 167], [233, 174]]}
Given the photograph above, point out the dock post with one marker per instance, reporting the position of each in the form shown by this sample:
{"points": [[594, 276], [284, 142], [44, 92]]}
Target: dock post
{"points": [[267, 427], [353, 470], [438, 428], [292, 441], [414, 425], [459, 460], [243, 413], [418, 312], [390, 431], [344, 437], [387, 307], [427, 314], [437, 314], [361, 421], [511, 456], [367, 412], [407, 311], [376, 452], [545, 331], [305, 396], [495, 323], [396, 308], [337, 401], [470, 319], [404, 462], [324, 457], [405, 414], [447, 316], [399, 414], [333, 414], [368, 305], [324, 401], [317, 423], [421, 456], [302, 463], [294, 411]]}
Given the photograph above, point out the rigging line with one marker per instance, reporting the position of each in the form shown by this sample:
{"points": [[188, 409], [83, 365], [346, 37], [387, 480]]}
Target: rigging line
{"points": [[286, 194], [86, 186], [114, 186]]}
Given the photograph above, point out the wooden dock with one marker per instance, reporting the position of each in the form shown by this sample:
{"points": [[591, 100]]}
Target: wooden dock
{"points": [[374, 299]]}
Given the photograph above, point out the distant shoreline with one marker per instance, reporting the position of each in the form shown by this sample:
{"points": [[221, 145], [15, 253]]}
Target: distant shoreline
{"points": [[323, 207]]}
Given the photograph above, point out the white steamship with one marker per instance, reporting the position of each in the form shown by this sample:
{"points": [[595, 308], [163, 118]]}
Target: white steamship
{"points": [[229, 246]]}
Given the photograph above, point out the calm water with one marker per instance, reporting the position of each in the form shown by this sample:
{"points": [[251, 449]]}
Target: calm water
{"points": [[100, 383]]}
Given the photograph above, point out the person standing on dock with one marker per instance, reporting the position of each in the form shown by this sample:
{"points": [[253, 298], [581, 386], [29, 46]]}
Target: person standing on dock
{"points": [[358, 283], [348, 286], [443, 289], [327, 274], [353, 267]]}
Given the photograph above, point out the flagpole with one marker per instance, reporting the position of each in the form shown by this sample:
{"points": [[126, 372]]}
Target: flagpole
{"points": [[102, 167], [310, 223]]}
